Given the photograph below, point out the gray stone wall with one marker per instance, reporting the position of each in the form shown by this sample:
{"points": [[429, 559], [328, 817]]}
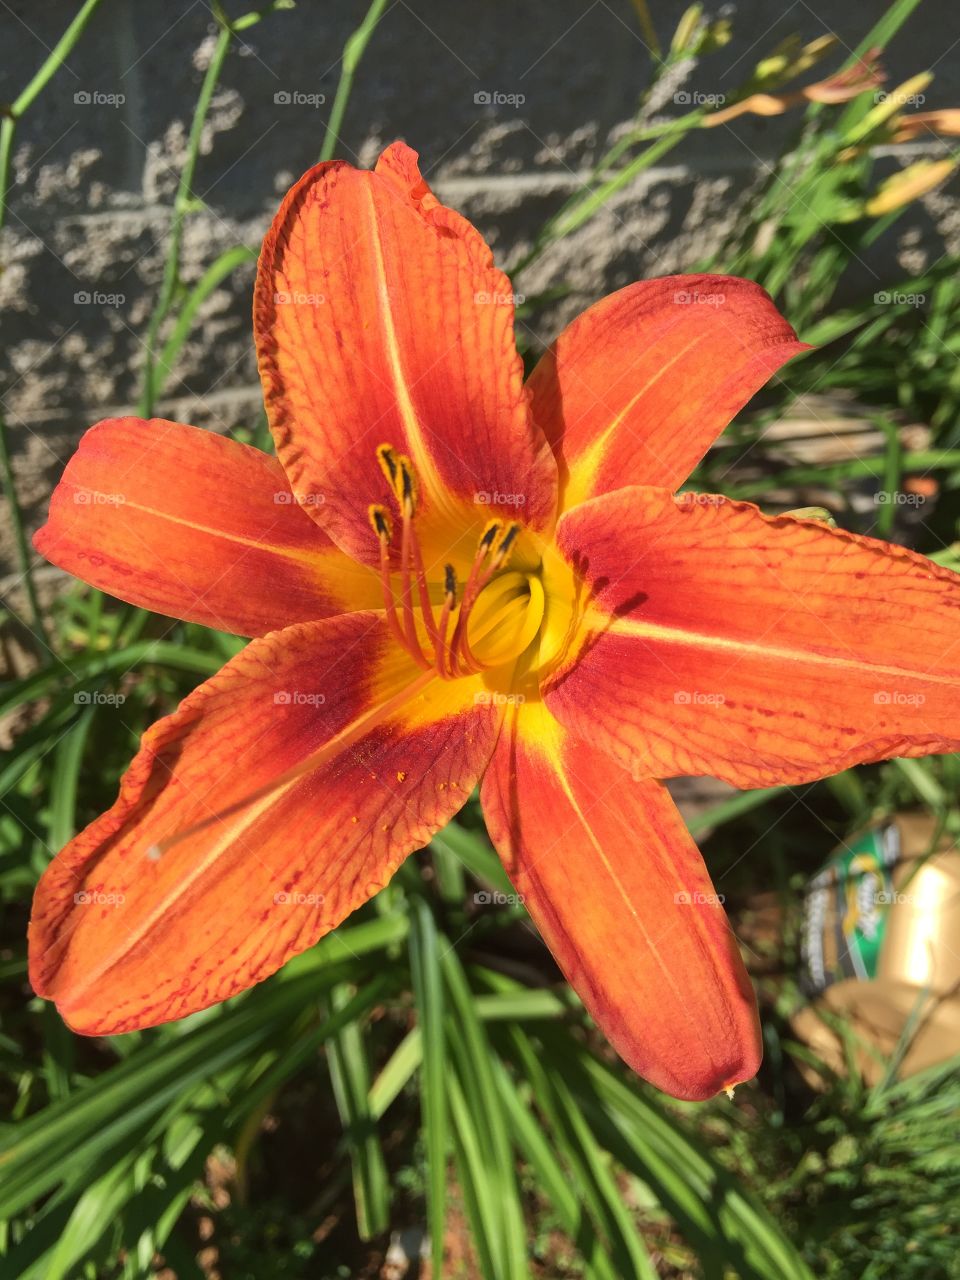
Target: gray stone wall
{"points": [[99, 154]]}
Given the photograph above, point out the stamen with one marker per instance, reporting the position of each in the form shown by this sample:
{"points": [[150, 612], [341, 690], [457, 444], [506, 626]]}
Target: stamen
{"points": [[449, 600], [407, 491], [388, 464], [426, 608], [502, 550], [384, 531], [502, 543], [464, 659], [488, 537], [493, 551], [380, 522], [470, 592], [407, 538]]}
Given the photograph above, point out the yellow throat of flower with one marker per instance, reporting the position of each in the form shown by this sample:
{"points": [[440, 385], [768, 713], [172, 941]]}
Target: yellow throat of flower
{"points": [[490, 620], [506, 618]]}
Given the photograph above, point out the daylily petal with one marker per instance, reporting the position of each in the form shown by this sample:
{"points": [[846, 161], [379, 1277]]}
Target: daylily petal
{"points": [[756, 649], [945, 122], [121, 938], [620, 894], [380, 318], [640, 385], [194, 525]]}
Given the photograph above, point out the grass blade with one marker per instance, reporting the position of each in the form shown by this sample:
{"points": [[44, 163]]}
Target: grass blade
{"points": [[350, 1075], [428, 994]]}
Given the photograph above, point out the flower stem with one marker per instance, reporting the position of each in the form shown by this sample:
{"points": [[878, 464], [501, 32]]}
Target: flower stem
{"points": [[183, 202], [8, 127], [186, 202], [353, 51]]}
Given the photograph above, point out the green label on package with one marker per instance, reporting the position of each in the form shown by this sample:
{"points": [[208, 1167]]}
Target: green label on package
{"points": [[845, 910]]}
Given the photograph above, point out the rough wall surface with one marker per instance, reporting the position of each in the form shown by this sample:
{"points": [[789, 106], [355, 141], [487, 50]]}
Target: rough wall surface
{"points": [[507, 104]]}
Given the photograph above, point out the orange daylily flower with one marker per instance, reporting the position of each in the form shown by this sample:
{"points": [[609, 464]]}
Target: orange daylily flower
{"points": [[907, 185], [452, 578], [945, 122], [865, 74]]}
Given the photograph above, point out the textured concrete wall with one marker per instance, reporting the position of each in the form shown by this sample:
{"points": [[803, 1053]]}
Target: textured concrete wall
{"points": [[99, 154]]}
